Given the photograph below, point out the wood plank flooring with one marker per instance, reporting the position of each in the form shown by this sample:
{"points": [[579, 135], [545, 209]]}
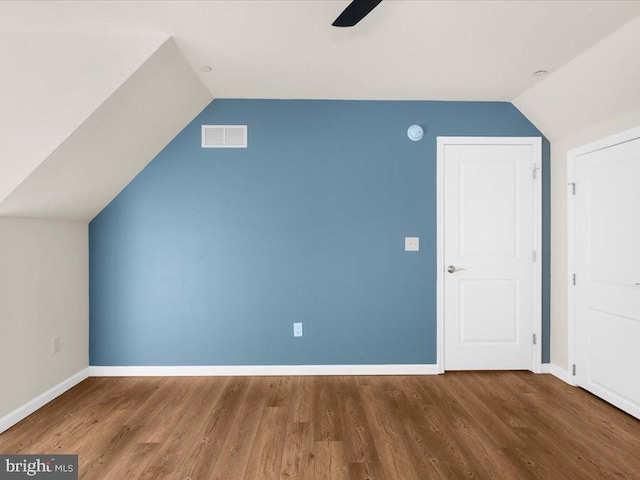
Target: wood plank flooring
{"points": [[485, 425]]}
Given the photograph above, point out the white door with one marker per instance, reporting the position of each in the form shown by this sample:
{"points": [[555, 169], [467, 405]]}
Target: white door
{"points": [[490, 215], [607, 263]]}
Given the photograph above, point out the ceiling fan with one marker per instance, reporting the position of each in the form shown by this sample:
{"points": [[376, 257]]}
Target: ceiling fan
{"points": [[355, 11]]}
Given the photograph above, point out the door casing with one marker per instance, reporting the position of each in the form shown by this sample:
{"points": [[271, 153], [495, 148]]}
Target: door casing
{"points": [[536, 143]]}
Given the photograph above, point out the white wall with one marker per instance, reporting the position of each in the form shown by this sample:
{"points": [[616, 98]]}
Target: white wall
{"points": [[44, 291], [68, 147]]}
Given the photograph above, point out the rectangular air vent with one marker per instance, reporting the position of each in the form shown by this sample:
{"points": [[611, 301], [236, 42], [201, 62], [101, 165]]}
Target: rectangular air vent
{"points": [[224, 136]]}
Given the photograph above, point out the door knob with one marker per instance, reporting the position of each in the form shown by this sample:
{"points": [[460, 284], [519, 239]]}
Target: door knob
{"points": [[453, 269]]}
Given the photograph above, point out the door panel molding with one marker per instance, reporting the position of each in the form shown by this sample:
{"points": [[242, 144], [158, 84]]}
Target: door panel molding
{"points": [[536, 144], [572, 156], [573, 191]]}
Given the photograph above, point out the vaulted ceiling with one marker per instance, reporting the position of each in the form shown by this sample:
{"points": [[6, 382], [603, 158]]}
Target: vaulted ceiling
{"points": [[83, 81]]}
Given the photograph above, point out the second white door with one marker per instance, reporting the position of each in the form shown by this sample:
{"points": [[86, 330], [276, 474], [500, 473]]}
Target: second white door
{"points": [[489, 253], [607, 268]]}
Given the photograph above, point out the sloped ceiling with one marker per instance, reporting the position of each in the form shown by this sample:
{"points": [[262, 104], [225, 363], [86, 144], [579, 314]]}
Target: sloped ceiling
{"points": [[50, 83], [88, 104], [598, 85], [114, 143]]}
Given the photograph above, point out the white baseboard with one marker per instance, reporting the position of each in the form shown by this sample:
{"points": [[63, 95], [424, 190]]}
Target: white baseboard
{"points": [[252, 370], [28, 408], [260, 370], [562, 373]]}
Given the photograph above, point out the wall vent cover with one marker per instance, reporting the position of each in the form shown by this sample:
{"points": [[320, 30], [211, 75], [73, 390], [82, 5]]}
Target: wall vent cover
{"points": [[224, 136]]}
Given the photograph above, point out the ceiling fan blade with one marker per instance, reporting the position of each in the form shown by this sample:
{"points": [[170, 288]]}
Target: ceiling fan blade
{"points": [[355, 11]]}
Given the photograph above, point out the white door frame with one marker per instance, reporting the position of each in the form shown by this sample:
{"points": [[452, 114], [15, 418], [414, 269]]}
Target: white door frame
{"points": [[572, 157], [536, 143]]}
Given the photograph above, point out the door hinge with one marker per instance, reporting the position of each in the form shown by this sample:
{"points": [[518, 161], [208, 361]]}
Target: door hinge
{"points": [[574, 278], [573, 369], [573, 188], [535, 256], [535, 339]]}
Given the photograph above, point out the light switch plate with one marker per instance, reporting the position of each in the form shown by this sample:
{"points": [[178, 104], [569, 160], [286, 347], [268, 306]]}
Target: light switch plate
{"points": [[297, 329], [411, 244]]}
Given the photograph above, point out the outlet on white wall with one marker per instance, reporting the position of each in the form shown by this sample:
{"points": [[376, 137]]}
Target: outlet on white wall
{"points": [[55, 344], [297, 329]]}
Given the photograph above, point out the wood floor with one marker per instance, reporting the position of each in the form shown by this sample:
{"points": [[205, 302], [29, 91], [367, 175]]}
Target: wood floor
{"points": [[488, 425]]}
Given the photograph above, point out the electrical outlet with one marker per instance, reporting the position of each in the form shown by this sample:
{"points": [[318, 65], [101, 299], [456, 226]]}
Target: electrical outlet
{"points": [[297, 329], [55, 344]]}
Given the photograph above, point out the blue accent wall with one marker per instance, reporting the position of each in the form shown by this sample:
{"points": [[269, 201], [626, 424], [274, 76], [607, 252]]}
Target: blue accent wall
{"points": [[210, 255]]}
